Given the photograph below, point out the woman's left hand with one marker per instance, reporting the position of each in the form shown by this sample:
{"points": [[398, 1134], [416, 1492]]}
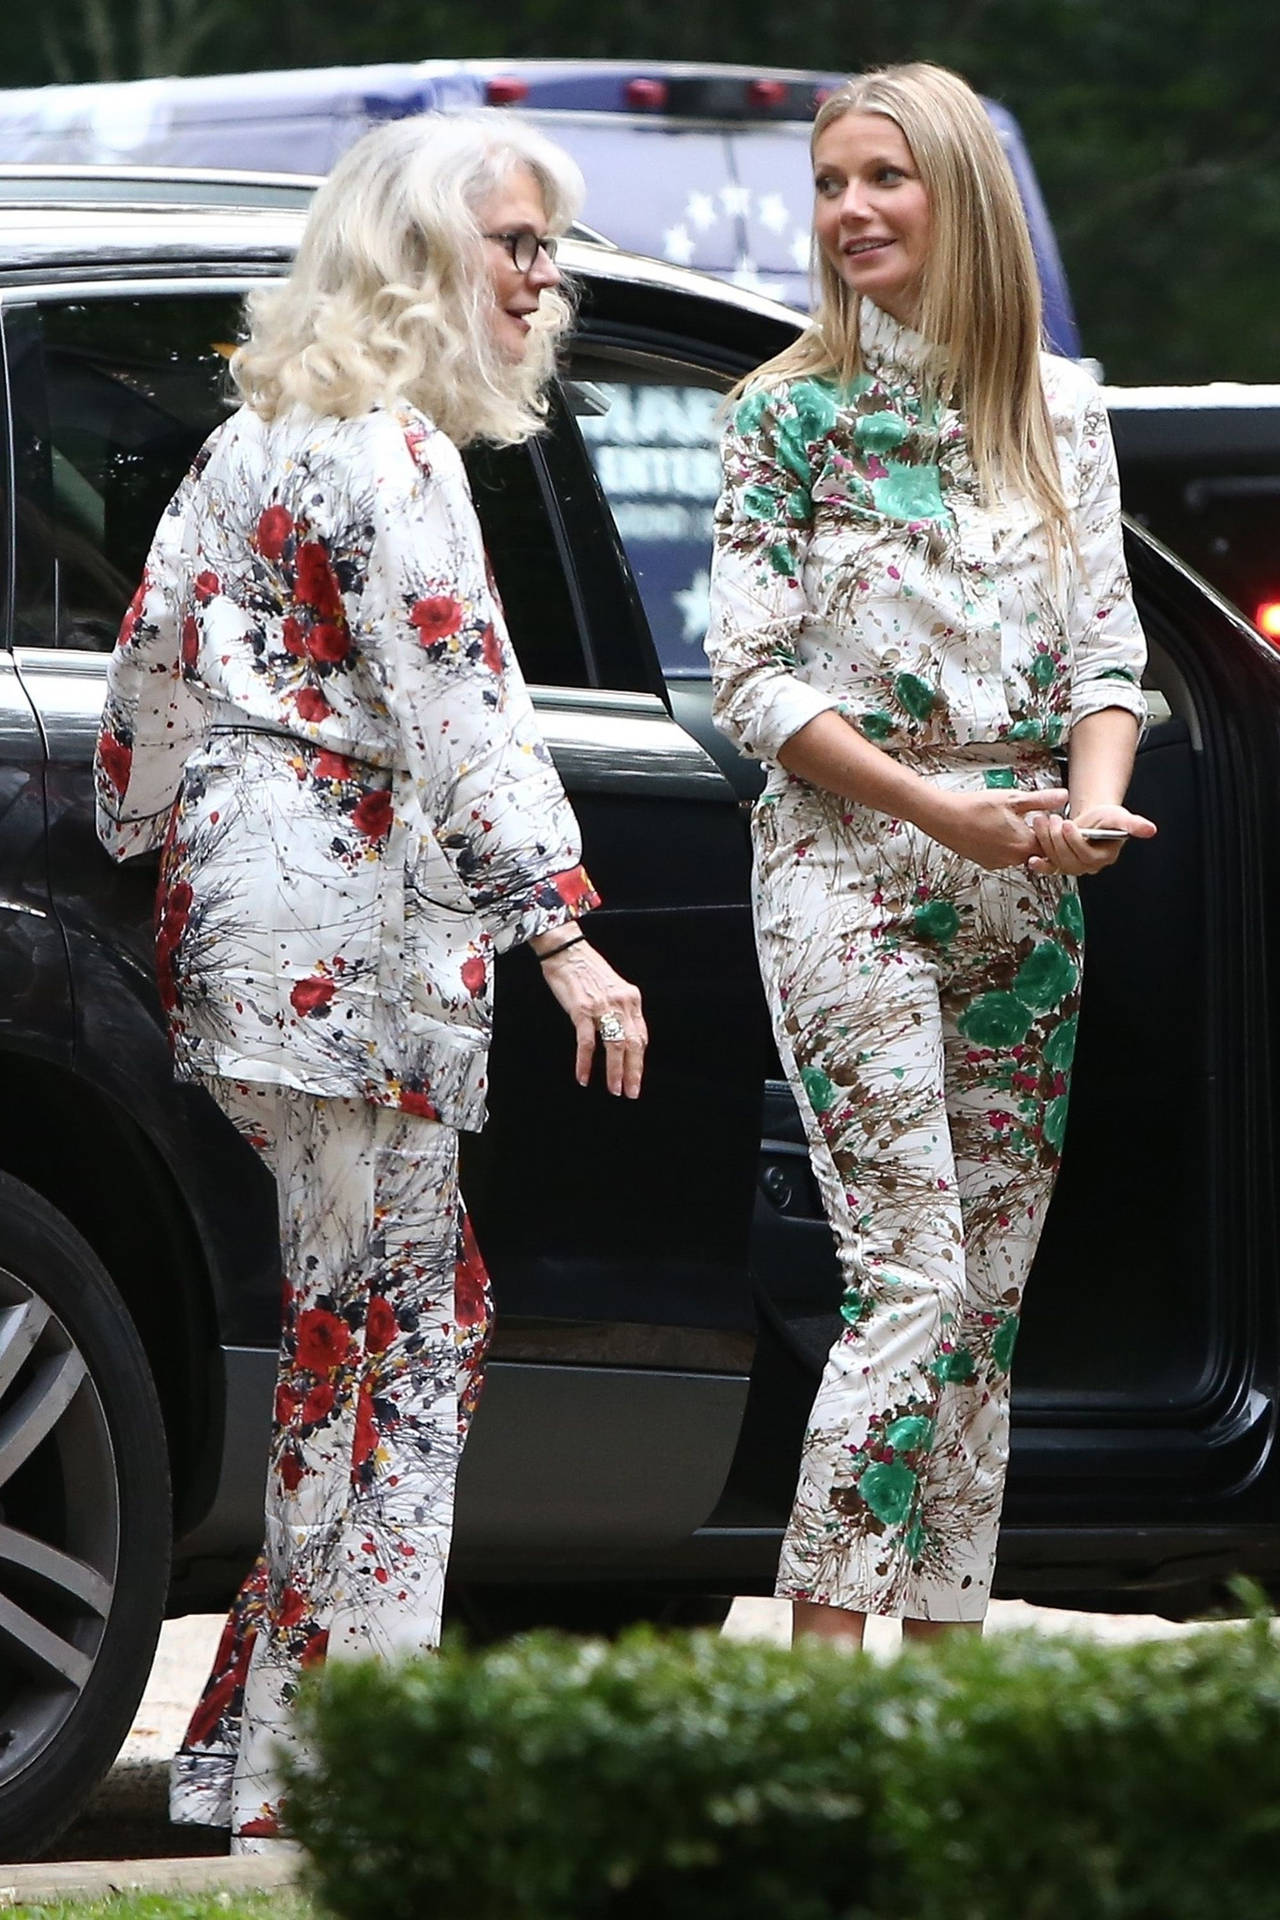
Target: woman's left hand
{"points": [[601, 1004], [1064, 849]]}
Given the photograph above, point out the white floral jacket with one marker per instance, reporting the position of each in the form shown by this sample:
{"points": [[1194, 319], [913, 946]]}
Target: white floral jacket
{"points": [[313, 706], [856, 568]]}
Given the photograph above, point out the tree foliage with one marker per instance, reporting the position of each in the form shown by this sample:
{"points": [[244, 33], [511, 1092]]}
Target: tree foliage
{"points": [[1153, 125]]}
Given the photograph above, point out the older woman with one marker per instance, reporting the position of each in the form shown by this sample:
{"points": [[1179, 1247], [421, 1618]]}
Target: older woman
{"points": [[314, 709], [919, 598]]}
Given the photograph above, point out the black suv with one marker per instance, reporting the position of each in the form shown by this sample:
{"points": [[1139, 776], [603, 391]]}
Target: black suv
{"points": [[664, 1277]]}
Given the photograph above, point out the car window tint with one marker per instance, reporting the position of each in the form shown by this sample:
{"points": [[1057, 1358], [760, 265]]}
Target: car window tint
{"points": [[652, 430], [112, 399], [524, 556], [130, 389]]}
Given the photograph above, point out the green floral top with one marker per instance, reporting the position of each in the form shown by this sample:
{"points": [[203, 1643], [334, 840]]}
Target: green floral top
{"points": [[857, 569]]}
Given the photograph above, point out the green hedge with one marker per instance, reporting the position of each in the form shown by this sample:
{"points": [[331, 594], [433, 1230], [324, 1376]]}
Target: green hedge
{"points": [[1017, 1778]]}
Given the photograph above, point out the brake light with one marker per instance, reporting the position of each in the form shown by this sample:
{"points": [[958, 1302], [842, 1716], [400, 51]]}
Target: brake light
{"points": [[1267, 620], [766, 93], [649, 95], [504, 90]]}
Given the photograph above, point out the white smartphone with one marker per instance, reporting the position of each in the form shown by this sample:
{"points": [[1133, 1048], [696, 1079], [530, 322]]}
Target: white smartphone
{"points": [[1097, 835]]}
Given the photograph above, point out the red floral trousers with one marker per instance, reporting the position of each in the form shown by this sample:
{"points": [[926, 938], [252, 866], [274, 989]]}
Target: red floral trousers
{"points": [[386, 1321]]}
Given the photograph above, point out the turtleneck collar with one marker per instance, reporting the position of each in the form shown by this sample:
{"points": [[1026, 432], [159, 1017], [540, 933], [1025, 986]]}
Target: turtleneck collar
{"points": [[887, 343]]}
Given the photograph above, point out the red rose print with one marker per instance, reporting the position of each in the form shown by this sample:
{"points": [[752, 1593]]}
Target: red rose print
{"points": [[292, 638], [134, 614], [380, 1327], [315, 1650], [318, 1404], [217, 1699], [412, 1100], [329, 643], [312, 706], [164, 979], [372, 815], [286, 1406], [265, 1827], [323, 1340], [417, 445], [290, 1472], [366, 1435], [204, 586], [331, 766], [190, 640], [316, 585], [491, 650], [436, 617], [470, 1307], [115, 759], [292, 1607], [311, 995], [474, 973], [274, 527], [575, 888]]}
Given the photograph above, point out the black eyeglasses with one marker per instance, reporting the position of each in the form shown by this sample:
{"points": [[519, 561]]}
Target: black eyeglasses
{"points": [[524, 246]]}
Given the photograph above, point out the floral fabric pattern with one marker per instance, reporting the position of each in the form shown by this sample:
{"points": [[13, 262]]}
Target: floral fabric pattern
{"points": [[314, 708], [925, 1013], [924, 1010], [387, 1315], [856, 567]]}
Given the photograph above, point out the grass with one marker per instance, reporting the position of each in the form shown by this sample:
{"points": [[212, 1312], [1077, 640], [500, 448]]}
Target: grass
{"points": [[177, 1906]]}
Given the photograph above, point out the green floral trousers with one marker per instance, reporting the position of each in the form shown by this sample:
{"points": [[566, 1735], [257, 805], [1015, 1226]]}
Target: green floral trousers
{"points": [[925, 1011]]}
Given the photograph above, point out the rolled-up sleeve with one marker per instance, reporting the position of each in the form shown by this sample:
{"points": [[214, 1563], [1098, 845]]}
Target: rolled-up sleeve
{"points": [[1109, 650], [763, 522], [471, 740]]}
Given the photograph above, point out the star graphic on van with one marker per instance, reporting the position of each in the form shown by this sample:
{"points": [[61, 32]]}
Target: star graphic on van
{"points": [[694, 602], [773, 213], [677, 246]]}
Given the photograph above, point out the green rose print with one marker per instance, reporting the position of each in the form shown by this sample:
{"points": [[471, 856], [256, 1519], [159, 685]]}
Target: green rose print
{"points": [[916, 695], [909, 493], [936, 921]]}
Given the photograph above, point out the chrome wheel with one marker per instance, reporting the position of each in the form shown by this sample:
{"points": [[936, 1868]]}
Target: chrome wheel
{"points": [[59, 1525]]}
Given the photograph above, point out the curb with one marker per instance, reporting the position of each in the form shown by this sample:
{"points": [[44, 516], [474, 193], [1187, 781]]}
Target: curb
{"points": [[99, 1879]]}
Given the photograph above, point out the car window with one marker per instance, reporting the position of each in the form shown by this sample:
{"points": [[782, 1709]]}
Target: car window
{"points": [[652, 429], [112, 399]]}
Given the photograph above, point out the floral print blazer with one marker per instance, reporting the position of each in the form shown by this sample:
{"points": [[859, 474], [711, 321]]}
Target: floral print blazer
{"points": [[314, 707], [856, 567]]}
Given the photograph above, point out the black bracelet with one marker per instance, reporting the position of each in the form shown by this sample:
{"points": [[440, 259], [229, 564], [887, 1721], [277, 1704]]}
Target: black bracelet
{"points": [[551, 953]]}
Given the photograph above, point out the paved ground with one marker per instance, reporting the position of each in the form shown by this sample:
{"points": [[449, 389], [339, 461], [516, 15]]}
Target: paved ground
{"points": [[127, 1820]]}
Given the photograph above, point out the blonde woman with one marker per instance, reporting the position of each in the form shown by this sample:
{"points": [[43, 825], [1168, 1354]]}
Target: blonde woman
{"points": [[919, 599], [314, 709]]}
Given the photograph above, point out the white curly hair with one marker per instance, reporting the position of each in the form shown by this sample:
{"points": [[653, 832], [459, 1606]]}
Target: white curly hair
{"points": [[389, 296]]}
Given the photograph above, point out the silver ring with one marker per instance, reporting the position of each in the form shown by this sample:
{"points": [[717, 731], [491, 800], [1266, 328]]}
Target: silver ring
{"points": [[610, 1029]]}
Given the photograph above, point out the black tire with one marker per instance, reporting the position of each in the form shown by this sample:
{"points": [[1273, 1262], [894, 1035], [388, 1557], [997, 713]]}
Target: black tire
{"points": [[85, 1526]]}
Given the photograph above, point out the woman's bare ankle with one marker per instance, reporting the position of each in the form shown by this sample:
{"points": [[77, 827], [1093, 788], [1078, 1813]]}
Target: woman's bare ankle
{"points": [[812, 1621], [938, 1629]]}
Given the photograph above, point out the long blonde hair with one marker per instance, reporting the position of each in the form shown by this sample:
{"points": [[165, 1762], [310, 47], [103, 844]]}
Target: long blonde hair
{"points": [[389, 296], [980, 294]]}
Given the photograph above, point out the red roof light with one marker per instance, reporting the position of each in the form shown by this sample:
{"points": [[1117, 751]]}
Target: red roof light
{"points": [[649, 95], [1267, 620], [505, 90], [766, 93]]}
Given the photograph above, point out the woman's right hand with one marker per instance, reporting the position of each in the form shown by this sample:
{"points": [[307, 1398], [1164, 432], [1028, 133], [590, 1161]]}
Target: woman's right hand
{"points": [[993, 827], [590, 992]]}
